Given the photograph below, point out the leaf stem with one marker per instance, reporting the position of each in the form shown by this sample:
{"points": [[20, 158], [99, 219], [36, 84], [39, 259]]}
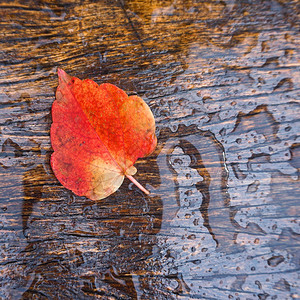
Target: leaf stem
{"points": [[137, 184]]}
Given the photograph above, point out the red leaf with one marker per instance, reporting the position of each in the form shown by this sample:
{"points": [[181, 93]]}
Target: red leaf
{"points": [[97, 134]]}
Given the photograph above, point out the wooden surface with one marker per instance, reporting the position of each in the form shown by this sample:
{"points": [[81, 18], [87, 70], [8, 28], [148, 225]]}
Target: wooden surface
{"points": [[222, 220]]}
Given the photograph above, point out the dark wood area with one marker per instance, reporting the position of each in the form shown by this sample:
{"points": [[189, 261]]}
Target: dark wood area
{"points": [[222, 220]]}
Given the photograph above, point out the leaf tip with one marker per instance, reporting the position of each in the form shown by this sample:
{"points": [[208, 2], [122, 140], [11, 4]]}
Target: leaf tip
{"points": [[63, 76], [60, 71]]}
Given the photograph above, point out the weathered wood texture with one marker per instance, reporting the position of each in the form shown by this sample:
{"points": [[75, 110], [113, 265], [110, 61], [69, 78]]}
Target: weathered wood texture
{"points": [[222, 221]]}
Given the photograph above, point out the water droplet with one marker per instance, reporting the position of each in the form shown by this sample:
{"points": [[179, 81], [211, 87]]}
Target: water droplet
{"points": [[252, 188], [256, 241], [263, 296], [258, 284], [188, 192], [288, 128], [274, 261], [192, 237], [196, 222], [282, 285]]}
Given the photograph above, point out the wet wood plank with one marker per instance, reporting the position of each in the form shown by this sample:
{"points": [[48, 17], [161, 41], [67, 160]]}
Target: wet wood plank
{"points": [[222, 221]]}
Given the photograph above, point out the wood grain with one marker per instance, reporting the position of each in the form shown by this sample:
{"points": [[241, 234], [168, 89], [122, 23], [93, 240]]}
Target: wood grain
{"points": [[222, 221]]}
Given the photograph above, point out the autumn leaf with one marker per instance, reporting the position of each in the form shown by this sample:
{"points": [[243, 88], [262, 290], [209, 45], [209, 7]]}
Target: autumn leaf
{"points": [[98, 133]]}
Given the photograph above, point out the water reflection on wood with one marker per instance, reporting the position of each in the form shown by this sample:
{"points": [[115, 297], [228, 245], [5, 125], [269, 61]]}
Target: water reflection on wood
{"points": [[222, 221]]}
